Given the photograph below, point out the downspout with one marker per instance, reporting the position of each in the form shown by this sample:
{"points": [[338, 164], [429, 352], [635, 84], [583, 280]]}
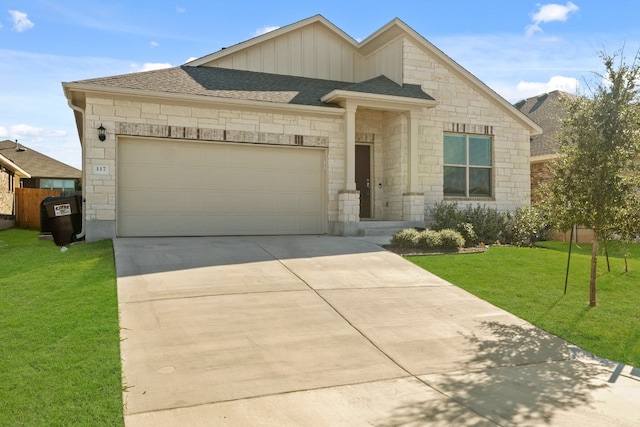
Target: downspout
{"points": [[84, 172]]}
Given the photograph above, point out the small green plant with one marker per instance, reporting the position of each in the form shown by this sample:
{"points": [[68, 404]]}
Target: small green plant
{"points": [[451, 239], [467, 231], [405, 238], [428, 239], [528, 226]]}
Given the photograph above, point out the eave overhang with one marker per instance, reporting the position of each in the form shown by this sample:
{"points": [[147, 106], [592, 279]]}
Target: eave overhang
{"points": [[376, 101], [17, 170]]}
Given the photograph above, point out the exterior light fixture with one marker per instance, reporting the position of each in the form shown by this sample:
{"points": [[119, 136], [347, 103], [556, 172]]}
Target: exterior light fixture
{"points": [[102, 133]]}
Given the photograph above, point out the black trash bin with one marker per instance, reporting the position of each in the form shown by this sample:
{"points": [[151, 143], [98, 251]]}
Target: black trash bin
{"points": [[64, 218]]}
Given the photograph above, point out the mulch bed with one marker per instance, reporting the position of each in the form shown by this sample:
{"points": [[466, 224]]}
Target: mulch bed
{"points": [[404, 251]]}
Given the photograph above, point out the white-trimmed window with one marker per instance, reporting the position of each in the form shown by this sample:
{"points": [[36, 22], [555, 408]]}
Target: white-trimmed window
{"points": [[467, 165]]}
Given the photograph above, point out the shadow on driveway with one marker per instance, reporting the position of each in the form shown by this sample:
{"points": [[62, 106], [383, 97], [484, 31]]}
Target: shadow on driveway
{"points": [[529, 392]]}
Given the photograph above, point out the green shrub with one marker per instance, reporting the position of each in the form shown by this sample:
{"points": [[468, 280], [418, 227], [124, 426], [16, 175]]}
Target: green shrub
{"points": [[487, 225], [467, 231], [451, 239], [428, 239], [528, 226], [445, 215], [405, 238]]}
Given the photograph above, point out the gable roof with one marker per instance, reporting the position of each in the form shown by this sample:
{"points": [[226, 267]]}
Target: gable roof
{"points": [[381, 37], [546, 110], [249, 85], [196, 78], [37, 164]]}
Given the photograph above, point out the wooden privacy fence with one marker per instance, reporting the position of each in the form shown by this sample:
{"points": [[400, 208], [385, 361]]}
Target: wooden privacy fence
{"points": [[28, 206]]}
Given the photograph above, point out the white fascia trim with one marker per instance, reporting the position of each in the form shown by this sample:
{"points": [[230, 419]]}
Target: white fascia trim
{"points": [[203, 99], [21, 173], [533, 127], [543, 158], [386, 102]]}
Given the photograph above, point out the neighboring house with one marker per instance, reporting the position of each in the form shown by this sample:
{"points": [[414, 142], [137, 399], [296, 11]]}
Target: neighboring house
{"points": [[302, 130], [10, 176], [42, 171], [21, 166], [547, 111]]}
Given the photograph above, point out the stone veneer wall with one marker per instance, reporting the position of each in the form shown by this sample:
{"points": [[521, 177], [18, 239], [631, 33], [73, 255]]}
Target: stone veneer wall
{"points": [[6, 196], [461, 107]]}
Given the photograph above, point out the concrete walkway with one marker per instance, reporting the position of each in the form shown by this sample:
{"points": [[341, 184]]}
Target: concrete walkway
{"points": [[332, 331]]}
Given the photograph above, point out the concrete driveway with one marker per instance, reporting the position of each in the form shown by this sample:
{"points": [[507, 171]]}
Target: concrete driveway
{"points": [[333, 331]]}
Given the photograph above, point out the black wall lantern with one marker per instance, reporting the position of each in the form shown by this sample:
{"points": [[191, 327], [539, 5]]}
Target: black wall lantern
{"points": [[101, 133]]}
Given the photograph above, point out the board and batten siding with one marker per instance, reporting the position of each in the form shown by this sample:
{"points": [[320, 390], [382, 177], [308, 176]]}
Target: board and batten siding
{"points": [[312, 51]]}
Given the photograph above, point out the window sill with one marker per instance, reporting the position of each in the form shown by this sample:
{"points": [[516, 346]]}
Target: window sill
{"points": [[469, 199]]}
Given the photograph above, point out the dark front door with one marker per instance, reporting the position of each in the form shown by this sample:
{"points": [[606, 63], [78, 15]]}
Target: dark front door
{"points": [[363, 178]]}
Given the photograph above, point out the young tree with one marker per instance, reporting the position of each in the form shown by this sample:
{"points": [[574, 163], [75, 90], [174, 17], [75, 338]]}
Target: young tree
{"points": [[594, 179]]}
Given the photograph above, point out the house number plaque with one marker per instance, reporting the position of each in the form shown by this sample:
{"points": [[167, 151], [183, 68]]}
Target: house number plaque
{"points": [[100, 170]]}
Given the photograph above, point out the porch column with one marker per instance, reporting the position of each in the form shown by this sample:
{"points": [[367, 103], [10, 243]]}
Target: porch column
{"points": [[349, 197], [350, 148], [413, 198], [412, 153]]}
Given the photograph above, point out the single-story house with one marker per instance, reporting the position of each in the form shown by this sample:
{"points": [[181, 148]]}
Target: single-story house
{"points": [[10, 176], [302, 130], [21, 166], [42, 170], [547, 110]]}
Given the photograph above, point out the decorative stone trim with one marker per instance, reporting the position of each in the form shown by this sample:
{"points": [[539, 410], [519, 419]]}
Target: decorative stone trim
{"points": [[204, 134], [413, 194], [468, 128], [365, 137], [348, 192]]}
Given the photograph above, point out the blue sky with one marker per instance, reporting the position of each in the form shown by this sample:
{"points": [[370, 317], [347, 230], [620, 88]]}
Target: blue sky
{"points": [[519, 48]]}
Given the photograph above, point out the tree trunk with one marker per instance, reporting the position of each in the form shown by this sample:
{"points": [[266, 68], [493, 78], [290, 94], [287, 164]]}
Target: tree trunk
{"points": [[594, 271]]}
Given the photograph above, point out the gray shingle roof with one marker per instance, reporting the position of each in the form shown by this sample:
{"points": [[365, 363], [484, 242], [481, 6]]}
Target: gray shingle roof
{"points": [[249, 85], [382, 85], [37, 164], [547, 111]]}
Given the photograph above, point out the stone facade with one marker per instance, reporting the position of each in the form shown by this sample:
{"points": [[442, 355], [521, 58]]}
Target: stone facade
{"points": [[406, 139], [463, 108]]}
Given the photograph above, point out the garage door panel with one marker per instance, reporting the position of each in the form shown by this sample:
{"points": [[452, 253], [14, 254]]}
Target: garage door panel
{"points": [[171, 188]]}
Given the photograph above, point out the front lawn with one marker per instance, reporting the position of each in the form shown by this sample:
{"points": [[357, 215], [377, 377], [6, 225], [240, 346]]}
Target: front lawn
{"points": [[530, 283], [59, 337]]}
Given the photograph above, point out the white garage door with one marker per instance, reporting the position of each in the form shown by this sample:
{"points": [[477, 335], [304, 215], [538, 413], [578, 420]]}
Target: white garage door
{"points": [[182, 188]]}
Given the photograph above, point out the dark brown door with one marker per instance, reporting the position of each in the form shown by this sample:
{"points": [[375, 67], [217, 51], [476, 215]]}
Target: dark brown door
{"points": [[363, 178]]}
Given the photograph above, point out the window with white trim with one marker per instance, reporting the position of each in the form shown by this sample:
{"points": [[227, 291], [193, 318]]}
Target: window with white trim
{"points": [[467, 165]]}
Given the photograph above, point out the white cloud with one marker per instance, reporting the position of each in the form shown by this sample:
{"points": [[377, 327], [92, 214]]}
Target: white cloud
{"points": [[154, 44], [181, 9], [20, 21], [150, 66], [31, 132], [549, 13], [264, 30], [191, 58], [526, 89]]}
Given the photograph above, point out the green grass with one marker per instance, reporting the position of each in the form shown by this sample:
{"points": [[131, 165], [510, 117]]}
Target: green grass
{"points": [[59, 337], [530, 284]]}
